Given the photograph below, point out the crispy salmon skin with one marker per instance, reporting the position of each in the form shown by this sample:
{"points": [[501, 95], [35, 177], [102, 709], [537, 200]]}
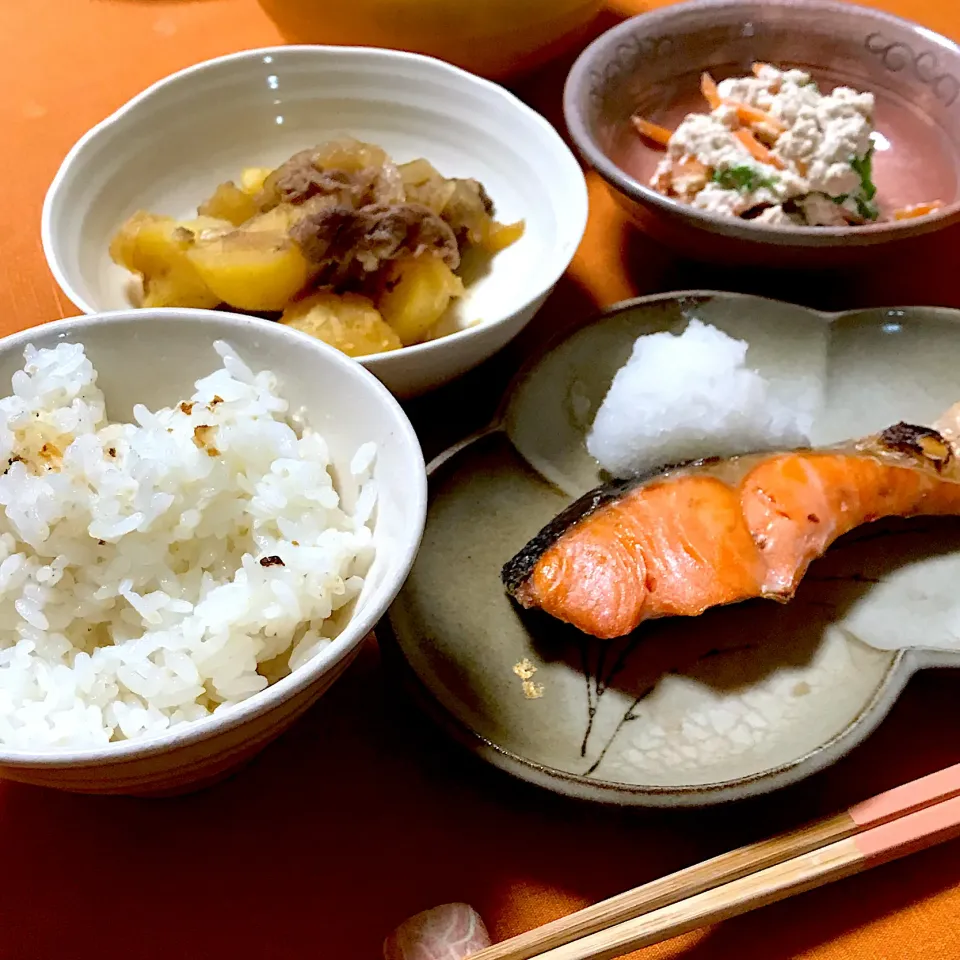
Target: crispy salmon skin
{"points": [[712, 532]]}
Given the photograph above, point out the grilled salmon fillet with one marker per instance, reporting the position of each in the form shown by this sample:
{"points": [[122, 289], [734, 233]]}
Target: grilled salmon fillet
{"points": [[714, 532]]}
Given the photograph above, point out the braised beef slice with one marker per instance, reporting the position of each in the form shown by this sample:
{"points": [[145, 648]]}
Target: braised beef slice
{"points": [[364, 239], [291, 178], [300, 179], [323, 233]]}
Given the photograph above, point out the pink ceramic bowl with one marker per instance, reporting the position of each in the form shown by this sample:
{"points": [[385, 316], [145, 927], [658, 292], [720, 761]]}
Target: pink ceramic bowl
{"points": [[652, 64]]}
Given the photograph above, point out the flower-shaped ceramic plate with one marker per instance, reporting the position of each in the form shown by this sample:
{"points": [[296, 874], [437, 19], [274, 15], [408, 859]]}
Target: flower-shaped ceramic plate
{"points": [[737, 702]]}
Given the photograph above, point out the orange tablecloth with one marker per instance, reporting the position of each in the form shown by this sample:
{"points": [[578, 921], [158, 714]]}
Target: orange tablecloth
{"points": [[362, 814]]}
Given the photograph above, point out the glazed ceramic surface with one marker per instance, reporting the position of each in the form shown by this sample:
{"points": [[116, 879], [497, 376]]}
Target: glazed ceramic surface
{"points": [[737, 702], [167, 149], [154, 357], [652, 63]]}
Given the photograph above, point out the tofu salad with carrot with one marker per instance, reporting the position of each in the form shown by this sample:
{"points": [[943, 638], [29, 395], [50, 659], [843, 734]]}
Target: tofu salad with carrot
{"points": [[776, 150]]}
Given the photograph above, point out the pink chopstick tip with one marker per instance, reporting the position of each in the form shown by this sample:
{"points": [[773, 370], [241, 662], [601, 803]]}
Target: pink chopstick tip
{"points": [[893, 803], [452, 931], [920, 829]]}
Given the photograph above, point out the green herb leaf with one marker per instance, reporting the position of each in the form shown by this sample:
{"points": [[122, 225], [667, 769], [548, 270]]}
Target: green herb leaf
{"points": [[863, 198], [742, 178], [863, 167], [866, 209]]}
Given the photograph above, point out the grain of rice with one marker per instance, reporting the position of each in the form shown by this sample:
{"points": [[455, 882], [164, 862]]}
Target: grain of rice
{"points": [[132, 596]]}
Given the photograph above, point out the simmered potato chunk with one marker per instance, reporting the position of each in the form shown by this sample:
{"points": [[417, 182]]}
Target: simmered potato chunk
{"points": [[348, 321], [340, 216], [251, 270], [278, 220], [229, 202], [415, 294], [252, 178], [158, 248]]}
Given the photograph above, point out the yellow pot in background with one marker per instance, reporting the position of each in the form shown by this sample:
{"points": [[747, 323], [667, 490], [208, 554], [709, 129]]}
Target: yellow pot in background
{"points": [[494, 38]]}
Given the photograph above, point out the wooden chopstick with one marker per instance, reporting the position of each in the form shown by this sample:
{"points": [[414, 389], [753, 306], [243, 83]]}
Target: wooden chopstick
{"points": [[809, 856], [916, 831]]}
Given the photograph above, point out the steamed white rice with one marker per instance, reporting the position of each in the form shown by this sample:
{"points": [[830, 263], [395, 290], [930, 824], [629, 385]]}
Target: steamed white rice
{"points": [[153, 572], [683, 397]]}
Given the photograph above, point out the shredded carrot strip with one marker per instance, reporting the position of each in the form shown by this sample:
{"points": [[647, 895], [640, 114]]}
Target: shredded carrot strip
{"points": [[758, 66], [757, 150], [917, 210], [652, 131], [692, 166], [747, 114], [708, 87], [676, 180]]}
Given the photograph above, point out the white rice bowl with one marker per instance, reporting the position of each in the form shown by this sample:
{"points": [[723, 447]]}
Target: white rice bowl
{"points": [[680, 398], [154, 572]]}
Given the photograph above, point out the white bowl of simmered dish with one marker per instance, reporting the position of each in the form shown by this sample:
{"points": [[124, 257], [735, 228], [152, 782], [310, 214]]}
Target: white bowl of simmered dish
{"points": [[202, 516], [407, 212]]}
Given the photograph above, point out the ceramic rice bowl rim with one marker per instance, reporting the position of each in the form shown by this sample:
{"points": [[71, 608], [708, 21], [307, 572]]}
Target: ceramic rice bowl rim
{"points": [[341, 648], [904, 662], [563, 155], [593, 62]]}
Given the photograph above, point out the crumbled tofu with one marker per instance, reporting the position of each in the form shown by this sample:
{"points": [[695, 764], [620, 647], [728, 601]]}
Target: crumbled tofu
{"points": [[814, 155], [826, 136], [821, 210], [777, 215]]}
